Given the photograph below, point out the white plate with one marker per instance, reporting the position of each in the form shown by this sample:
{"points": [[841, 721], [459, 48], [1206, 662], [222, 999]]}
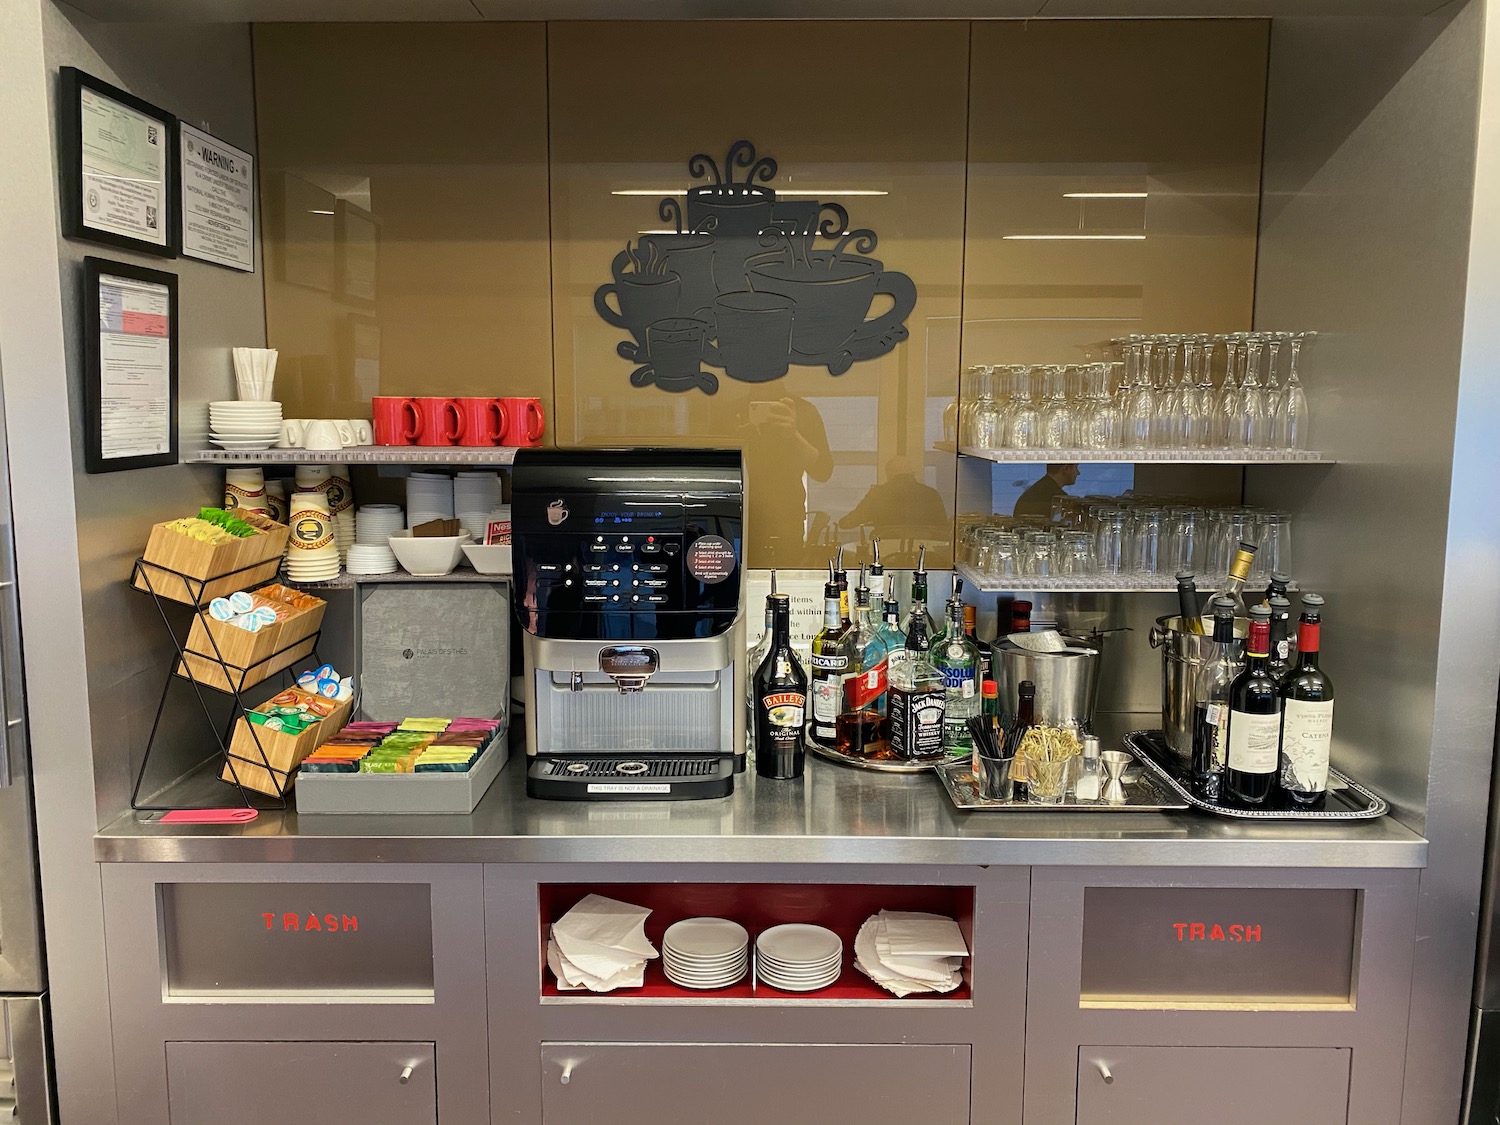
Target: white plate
{"points": [[735, 972], [706, 984], [799, 943], [702, 968], [706, 937], [245, 445]]}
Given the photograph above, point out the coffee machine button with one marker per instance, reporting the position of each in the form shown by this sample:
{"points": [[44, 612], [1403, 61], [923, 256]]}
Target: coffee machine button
{"points": [[671, 548], [599, 548], [635, 597], [615, 567], [596, 583], [657, 599], [616, 582], [567, 582], [622, 548], [656, 568], [650, 548], [614, 597], [548, 568], [594, 568], [593, 597]]}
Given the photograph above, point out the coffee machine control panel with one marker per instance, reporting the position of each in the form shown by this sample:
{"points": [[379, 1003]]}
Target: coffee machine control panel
{"points": [[630, 570]]}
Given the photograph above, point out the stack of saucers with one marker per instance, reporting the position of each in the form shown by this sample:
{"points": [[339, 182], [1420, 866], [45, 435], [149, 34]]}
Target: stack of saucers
{"points": [[798, 957], [475, 495], [705, 952], [244, 425], [365, 558], [374, 524], [429, 496]]}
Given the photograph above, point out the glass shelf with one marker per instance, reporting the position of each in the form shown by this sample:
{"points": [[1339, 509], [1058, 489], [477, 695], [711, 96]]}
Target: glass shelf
{"points": [[1150, 456], [358, 455], [1097, 584]]}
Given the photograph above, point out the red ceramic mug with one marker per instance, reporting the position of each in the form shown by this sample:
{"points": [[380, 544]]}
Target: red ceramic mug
{"points": [[397, 421], [441, 421], [524, 420], [483, 421]]}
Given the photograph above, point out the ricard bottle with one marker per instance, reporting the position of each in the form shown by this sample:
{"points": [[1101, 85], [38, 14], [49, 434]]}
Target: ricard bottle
{"points": [[780, 700], [830, 662]]}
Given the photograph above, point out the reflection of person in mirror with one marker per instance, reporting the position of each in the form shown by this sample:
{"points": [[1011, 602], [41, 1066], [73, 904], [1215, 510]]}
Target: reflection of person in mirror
{"points": [[901, 507], [784, 442], [1037, 500]]}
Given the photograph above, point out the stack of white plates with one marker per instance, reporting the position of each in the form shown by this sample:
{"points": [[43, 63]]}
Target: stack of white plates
{"points": [[366, 558], [244, 425], [429, 496], [705, 952], [476, 491], [374, 524], [798, 957]]}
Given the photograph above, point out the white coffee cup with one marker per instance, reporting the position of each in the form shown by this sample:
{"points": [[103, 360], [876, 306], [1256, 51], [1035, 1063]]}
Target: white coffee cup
{"points": [[292, 430], [364, 432], [346, 431], [322, 433]]}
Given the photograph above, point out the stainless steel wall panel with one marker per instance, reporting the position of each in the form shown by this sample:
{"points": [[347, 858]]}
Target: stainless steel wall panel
{"points": [[1371, 234]]}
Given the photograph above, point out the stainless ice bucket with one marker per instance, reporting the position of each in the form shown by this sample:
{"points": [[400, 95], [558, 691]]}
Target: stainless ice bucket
{"points": [[1183, 654], [1067, 683]]}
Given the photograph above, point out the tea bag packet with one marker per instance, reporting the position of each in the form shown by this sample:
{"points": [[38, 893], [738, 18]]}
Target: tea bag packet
{"points": [[432, 725]]}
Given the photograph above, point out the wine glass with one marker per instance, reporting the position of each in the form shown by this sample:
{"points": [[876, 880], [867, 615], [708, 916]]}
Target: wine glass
{"points": [[1023, 422], [986, 425], [1140, 401], [1056, 417], [1271, 438], [1204, 433], [1103, 425], [1227, 402], [1168, 400], [971, 406], [1292, 413], [1252, 420]]}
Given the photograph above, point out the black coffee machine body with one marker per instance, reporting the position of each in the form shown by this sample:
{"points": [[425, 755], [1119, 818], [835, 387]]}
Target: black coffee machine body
{"points": [[628, 568]]}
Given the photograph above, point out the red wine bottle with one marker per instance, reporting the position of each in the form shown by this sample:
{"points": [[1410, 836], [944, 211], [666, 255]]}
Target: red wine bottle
{"points": [[1254, 722], [1282, 652], [1307, 726]]}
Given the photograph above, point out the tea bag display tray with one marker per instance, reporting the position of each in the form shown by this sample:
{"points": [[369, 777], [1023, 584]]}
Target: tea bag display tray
{"points": [[1347, 798], [879, 765], [1142, 794]]}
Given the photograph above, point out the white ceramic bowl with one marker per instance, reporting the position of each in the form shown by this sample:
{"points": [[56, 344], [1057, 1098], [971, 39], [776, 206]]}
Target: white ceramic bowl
{"points": [[491, 559], [430, 556]]}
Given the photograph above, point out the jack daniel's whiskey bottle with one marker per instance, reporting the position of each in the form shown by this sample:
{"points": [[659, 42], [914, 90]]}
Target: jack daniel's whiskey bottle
{"points": [[917, 694], [780, 700]]}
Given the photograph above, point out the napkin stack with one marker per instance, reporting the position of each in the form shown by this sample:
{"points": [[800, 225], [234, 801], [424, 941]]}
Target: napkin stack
{"points": [[906, 952], [600, 945]]}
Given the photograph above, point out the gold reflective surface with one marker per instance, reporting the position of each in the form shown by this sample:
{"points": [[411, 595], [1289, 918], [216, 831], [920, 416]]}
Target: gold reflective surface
{"points": [[448, 207]]}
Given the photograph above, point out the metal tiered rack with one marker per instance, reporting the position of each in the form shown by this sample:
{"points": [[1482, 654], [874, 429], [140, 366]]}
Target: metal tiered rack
{"points": [[236, 680]]}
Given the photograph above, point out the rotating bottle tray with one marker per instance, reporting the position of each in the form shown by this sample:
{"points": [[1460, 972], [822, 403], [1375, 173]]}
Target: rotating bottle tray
{"points": [[1347, 798]]}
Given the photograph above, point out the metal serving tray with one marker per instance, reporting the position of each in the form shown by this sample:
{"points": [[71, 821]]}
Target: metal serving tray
{"points": [[893, 765], [1347, 798], [1142, 794]]}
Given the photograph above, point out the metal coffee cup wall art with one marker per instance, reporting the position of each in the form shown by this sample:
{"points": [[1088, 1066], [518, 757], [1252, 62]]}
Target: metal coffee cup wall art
{"points": [[750, 284]]}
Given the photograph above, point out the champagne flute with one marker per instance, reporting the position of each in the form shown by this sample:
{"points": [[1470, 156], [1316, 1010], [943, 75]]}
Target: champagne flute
{"points": [[1293, 411]]}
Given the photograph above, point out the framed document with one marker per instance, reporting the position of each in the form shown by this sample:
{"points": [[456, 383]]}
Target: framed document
{"points": [[119, 174], [130, 366], [356, 237], [216, 222]]}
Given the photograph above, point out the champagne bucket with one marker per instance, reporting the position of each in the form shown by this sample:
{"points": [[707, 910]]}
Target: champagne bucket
{"points": [[1067, 683], [1183, 655]]}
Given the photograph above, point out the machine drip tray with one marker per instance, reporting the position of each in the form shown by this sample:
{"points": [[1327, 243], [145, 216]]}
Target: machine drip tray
{"points": [[627, 778]]}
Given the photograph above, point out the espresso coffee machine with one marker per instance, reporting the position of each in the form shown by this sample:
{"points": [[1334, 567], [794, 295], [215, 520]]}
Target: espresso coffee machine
{"points": [[627, 576]]}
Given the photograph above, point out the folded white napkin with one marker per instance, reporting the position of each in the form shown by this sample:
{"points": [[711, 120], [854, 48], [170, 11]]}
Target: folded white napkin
{"points": [[929, 935], [571, 978], [909, 974], [600, 944]]}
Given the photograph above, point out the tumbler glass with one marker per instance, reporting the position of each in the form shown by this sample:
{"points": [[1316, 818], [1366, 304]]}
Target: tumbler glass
{"points": [[1110, 540], [1274, 532], [1146, 541]]}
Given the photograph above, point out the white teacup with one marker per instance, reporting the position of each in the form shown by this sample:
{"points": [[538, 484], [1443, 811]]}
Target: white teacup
{"points": [[346, 431], [322, 433], [364, 431], [292, 430]]}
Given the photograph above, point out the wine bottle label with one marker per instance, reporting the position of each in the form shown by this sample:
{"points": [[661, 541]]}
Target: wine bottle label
{"points": [[827, 694], [1305, 739], [1253, 742], [864, 689]]}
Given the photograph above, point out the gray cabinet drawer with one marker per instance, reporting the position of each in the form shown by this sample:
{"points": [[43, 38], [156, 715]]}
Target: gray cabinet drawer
{"points": [[330, 1083], [748, 1084], [1225, 1085]]}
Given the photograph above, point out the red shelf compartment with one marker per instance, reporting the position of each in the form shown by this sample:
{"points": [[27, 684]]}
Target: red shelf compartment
{"points": [[842, 907]]}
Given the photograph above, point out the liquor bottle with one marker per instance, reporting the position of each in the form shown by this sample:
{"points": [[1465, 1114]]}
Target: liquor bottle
{"points": [[1211, 706], [757, 657], [1254, 722], [876, 578], [1307, 726], [971, 630], [830, 660], [1278, 585], [1234, 585], [890, 625], [917, 695], [1282, 648], [919, 593], [1020, 616], [841, 576], [957, 658], [861, 722], [1187, 603], [780, 700]]}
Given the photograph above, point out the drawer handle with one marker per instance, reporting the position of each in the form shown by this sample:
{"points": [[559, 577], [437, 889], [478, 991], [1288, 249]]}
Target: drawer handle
{"points": [[567, 1072], [1104, 1072], [405, 1075]]}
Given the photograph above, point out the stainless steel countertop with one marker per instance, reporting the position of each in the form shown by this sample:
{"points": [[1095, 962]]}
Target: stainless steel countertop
{"points": [[832, 815]]}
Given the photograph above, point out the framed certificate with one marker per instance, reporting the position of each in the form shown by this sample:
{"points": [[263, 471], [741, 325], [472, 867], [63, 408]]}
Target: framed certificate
{"points": [[130, 366], [119, 174], [216, 222]]}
